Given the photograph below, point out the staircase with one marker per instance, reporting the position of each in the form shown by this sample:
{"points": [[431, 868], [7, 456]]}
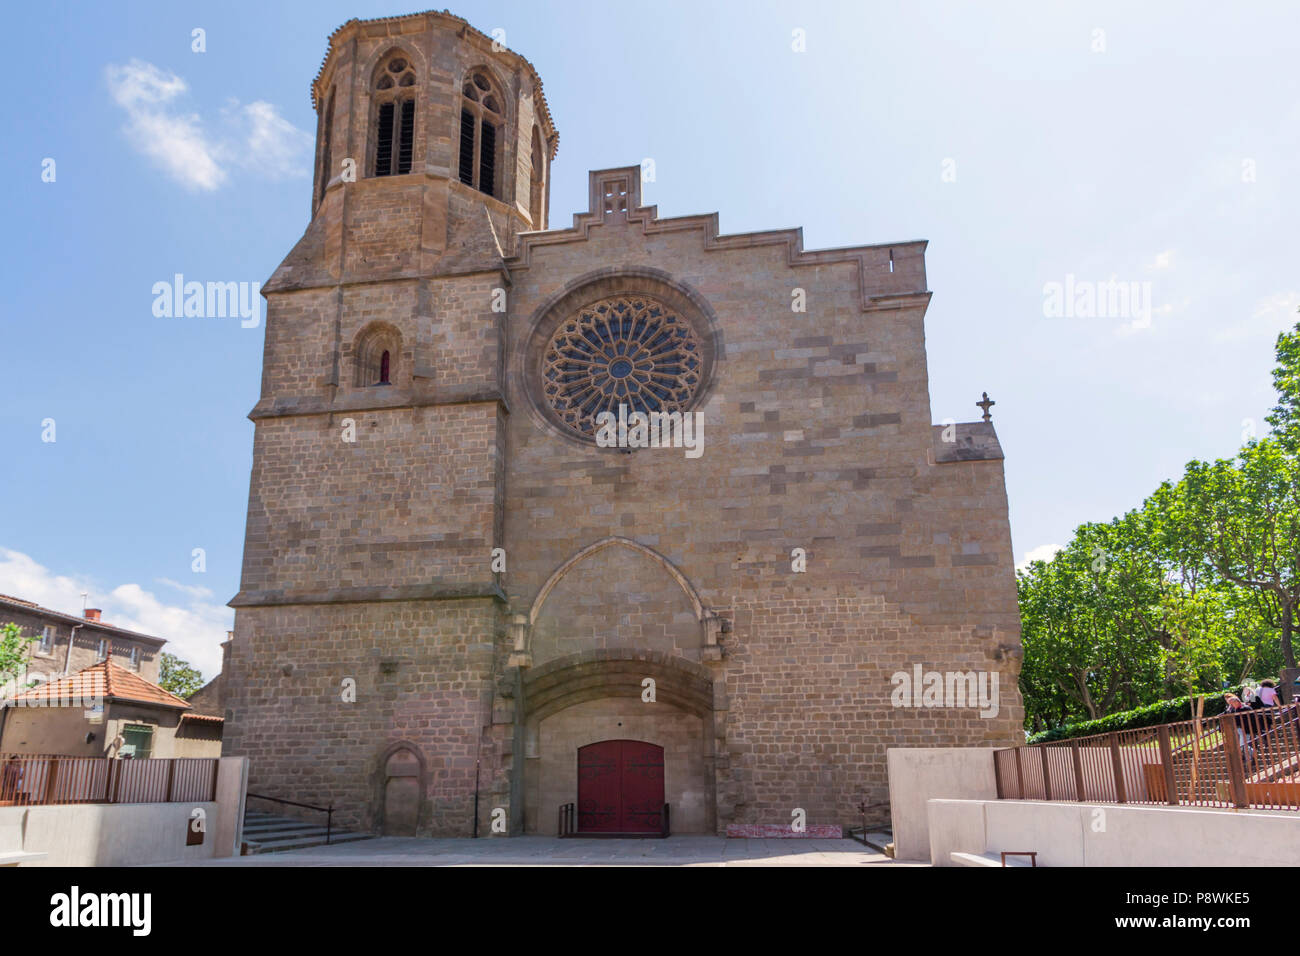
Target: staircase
{"points": [[270, 832], [879, 838]]}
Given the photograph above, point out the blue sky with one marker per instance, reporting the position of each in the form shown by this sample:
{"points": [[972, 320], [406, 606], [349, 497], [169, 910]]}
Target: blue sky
{"points": [[1153, 143]]}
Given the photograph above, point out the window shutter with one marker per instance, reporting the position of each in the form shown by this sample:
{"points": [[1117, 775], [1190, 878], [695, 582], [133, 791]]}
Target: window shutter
{"points": [[487, 163], [384, 147], [407, 137]]}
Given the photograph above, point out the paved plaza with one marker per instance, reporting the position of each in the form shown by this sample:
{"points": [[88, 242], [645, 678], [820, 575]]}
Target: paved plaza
{"points": [[550, 851]]}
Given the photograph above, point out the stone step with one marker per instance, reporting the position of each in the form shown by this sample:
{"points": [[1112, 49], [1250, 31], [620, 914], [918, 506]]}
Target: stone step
{"points": [[881, 841], [276, 833], [260, 826], [784, 831], [299, 842], [270, 832], [986, 859]]}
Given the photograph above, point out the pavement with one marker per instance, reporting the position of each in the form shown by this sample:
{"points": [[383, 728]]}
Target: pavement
{"points": [[685, 850]]}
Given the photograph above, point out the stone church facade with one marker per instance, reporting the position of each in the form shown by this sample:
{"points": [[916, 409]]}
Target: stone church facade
{"points": [[453, 597]]}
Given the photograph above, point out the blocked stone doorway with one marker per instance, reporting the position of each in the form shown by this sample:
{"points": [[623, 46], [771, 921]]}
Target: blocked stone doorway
{"points": [[403, 785]]}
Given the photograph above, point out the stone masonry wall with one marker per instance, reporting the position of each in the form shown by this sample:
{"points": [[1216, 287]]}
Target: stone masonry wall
{"points": [[421, 672], [411, 502], [818, 436]]}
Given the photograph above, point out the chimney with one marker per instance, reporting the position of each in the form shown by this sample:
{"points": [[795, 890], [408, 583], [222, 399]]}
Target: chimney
{"points": [[92, 613]]}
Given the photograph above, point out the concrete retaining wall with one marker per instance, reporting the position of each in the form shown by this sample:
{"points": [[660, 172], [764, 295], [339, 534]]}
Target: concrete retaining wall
{"points": [[131, 834], [917, 775], [1075, 834]]}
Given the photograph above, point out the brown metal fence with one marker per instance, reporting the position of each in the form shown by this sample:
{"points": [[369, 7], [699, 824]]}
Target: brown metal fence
{"points": [[1245, 759], [27, 780]]}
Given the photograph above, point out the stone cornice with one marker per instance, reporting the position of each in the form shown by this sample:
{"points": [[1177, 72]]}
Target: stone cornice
{"points": [[438, 591], [365, 401], [286, 287], [396, 25]]}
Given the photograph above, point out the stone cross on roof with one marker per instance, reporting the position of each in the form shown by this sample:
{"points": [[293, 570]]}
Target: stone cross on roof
{"points": [[986, 405]]}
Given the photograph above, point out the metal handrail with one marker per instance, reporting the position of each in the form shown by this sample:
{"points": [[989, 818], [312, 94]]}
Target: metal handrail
{"points": [[565, 821], [1234, 759], [328, 811]]}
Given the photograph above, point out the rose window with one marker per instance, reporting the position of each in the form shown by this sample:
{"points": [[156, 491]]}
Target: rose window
{"points": [[627, 350]]}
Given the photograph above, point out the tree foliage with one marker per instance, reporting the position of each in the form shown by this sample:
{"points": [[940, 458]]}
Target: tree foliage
{"points": [[1197, 588], [178, 677], [13, 653]]}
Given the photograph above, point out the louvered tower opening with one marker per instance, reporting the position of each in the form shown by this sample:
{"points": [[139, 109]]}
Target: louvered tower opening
{"points": [[487, 166], [407, 138], [467, 147], [394, 129], [384, 143]]}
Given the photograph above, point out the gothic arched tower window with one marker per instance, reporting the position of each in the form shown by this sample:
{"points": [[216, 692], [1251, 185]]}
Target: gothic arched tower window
{"points": [[394, 124], [535, 182], [327, 134], [482, 118]]}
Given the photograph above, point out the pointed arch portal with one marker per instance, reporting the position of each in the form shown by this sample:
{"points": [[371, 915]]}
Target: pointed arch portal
{"points": [[612, 541]]}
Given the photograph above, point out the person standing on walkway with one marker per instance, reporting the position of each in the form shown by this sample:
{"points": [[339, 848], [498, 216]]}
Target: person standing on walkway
{"points": [[1240, 714], [1268, 693]]}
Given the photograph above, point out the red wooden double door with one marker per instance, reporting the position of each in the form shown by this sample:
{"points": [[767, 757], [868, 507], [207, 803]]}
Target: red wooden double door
{"points": [[620, 787]]}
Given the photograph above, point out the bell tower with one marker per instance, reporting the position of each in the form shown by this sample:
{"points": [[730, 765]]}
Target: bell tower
{"points": [[370, 611], [425, 106]]}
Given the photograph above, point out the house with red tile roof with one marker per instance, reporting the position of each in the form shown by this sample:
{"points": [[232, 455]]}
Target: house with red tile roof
{"points": [[105, 710]]}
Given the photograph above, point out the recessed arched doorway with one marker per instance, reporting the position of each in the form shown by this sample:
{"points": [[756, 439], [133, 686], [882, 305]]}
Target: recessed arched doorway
{"points": [[620, 787], [598, 697]]}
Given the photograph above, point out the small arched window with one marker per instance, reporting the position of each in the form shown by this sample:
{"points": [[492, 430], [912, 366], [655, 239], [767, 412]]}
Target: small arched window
{"points": [[326, 140], [373, 355], [482, 118], [394, 125]]}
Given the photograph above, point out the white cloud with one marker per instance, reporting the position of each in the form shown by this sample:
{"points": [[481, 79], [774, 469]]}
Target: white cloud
{"points": [[1280, 307], [1272, 315], [272, 144], [173, 140], [190, 589], [1163, 260], [1044, 552], [194, 628], [256, 136]]}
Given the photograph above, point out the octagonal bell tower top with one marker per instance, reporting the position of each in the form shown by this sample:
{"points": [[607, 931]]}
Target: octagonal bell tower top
{"points": [[426, 97]]}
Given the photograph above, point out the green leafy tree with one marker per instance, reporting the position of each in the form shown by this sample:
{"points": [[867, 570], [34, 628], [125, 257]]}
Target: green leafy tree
{"points": [[13, 653], [1254, 650], [1198, 587], [178, 677], [1199, 632], [1244, 513], [1088, 649], [1285, 416]]}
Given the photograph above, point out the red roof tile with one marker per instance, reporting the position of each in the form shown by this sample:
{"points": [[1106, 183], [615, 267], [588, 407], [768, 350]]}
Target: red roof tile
{"points": [[103, 680]]}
